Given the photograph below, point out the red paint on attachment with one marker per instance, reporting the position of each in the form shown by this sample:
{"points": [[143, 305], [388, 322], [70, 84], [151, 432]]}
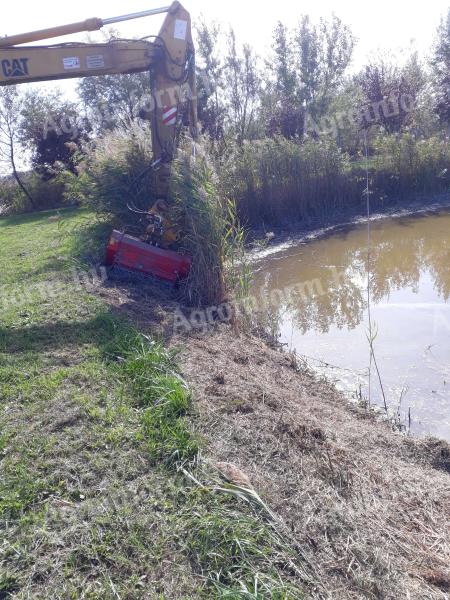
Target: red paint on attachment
{"points": [[132, 254]]}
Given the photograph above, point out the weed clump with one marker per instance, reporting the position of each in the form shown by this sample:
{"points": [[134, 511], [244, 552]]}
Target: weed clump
{"points": [[117, 172]]}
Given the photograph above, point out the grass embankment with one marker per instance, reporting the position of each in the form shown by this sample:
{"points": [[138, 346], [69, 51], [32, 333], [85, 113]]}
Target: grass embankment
{"points": [[102, 491]]}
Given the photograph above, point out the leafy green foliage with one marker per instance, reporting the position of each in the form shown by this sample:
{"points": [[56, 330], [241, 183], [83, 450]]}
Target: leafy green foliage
{"points": [[52, 130], [46, 194], [441, 70], [305, 73], [114, 100], [390, 93]]}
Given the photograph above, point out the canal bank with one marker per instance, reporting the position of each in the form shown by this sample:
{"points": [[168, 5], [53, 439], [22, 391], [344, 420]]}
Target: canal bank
{"points": [[366, 507]]}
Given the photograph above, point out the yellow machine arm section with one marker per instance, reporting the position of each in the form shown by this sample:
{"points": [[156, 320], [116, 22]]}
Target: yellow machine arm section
{"points": [[26, 64], [169, 58]]}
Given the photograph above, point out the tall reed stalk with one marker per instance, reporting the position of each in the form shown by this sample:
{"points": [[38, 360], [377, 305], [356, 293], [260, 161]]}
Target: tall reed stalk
{"points": [[211, 232]]}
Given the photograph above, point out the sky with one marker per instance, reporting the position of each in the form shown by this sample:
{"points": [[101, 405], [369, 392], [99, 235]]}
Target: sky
{"points": [[390, 25]]}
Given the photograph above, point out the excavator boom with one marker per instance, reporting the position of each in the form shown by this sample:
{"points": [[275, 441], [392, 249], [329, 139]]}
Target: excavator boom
{"points": [[27, 64], [170, 61]]}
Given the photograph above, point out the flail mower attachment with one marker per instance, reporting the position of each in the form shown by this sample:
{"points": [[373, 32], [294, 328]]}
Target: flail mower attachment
{"points": [[130, 254]]}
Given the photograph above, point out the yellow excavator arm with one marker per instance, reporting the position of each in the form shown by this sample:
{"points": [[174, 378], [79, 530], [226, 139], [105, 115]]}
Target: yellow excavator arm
{"points": [[26, 64], [169, 58]]}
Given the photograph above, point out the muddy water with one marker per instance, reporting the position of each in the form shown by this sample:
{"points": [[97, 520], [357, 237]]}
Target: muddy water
{"points": [[317, 291]]}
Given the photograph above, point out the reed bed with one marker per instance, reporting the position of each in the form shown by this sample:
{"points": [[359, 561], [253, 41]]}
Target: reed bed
{"points": [[276, 180]]}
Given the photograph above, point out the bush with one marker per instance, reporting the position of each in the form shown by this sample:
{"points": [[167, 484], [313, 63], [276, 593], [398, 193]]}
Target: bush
{"points": [[404, 165], [46, 194], [8, 195]]}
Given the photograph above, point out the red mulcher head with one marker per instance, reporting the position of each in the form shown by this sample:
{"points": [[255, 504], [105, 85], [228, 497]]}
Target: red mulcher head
{"points": [[133, 255]]}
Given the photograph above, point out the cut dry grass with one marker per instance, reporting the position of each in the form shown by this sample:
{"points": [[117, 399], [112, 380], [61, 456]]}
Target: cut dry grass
{"points": [[365, 506]]}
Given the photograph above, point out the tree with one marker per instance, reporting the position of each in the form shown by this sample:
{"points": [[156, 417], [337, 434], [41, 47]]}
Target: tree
{"points": [[390, 93], [323, 53], [284, 67], [440, 64], [112, 100], [243, 87], [52, 130], [343, 121], [210, 81], [283, 112], [11, 102], [307, 69]]}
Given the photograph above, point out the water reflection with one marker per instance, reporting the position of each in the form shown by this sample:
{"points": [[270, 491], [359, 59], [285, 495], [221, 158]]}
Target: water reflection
{"points": [[318, 295], [325, 280]]}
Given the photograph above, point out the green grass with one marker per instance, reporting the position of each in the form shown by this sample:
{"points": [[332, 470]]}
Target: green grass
{"points": [[95, 425]]}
